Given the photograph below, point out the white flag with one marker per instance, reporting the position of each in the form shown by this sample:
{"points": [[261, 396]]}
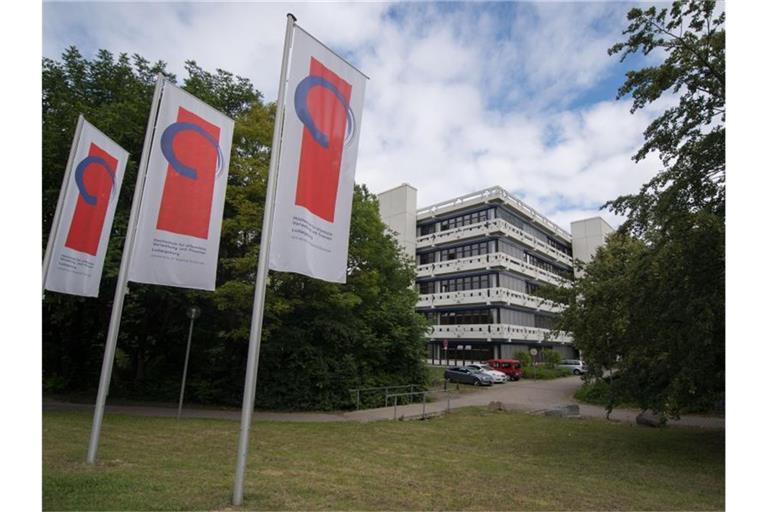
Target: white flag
{"points": [[179, 226], [87, 210], [316, 170]]}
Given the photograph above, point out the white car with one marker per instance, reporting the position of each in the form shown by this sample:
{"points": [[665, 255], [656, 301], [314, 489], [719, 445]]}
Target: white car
{"points": [[497, 376], [576, 366]]}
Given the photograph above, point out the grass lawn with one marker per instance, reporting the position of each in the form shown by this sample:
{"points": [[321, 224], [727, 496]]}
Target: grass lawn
{"points": [[471, 459]]}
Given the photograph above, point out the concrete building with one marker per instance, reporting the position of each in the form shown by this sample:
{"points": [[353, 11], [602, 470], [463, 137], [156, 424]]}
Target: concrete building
{"points": [[479, 259], [588, 235], [397, 207]]}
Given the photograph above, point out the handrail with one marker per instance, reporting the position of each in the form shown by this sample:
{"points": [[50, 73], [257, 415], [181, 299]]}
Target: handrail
{"points": [[485, 195], [386, 389]]}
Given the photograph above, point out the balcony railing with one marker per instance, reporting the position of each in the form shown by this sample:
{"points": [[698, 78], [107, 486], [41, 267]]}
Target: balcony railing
{"points": [[491, 227], [490, 332], [488, 296], [485, 261], [485, 196]]}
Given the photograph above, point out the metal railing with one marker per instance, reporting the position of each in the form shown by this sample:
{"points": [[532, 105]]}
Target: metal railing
{"points": [[423, 395], [486, 195], [411, 393], [415, 393], [357, 391]]}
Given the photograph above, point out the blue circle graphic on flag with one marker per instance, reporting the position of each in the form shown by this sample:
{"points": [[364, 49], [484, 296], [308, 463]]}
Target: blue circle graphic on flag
{"points": [[166, 146], [302, 110], [80, 177]]}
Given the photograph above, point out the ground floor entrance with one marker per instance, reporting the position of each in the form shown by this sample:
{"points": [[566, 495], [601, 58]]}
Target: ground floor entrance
{"points": [[460, 352]]}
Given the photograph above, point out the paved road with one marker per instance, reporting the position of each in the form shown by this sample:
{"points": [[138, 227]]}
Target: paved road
{"points": [[524, 395]]}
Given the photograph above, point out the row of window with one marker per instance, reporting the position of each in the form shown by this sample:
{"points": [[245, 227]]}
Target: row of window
{"points": [[458, 284], [467, 219], [488, 214], [456, 222], [470, 316], [489, 246], [478, 282], [490, 316], [465, 251], [549, 267]]}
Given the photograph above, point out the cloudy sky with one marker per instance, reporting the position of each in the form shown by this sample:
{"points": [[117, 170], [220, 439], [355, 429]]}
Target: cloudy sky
{"points": [[461, 96]]}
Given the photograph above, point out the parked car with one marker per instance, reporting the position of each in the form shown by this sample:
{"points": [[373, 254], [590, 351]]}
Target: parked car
{"points": [[576, 366], [511, 367], [466, 375], [497, 376]]}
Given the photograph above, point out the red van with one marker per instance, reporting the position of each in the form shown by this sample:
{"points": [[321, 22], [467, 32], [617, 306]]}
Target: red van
{"points": [[511, 367]]}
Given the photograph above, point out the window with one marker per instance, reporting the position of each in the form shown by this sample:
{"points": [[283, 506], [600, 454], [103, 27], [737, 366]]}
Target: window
{"points": [[466, 251], [465, 220], [511, 249], [544, 322], [476, 282], [512, 283], [428, 287], [472, 316], [530, 288], [427, 229], [428, 257], [549, 267], [559, 246]]}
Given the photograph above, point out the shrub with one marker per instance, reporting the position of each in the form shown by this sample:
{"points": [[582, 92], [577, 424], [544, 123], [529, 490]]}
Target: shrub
{"points": [[551, 357], [599, 393], [542, 373], [524, 358]]}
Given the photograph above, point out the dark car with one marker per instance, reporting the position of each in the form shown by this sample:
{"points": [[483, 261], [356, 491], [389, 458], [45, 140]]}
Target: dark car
{"points": [[466, 375]]}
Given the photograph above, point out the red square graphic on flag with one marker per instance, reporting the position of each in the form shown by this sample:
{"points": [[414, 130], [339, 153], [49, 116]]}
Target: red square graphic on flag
{"points": [[185, 207], [95, 179], [319, 165]]}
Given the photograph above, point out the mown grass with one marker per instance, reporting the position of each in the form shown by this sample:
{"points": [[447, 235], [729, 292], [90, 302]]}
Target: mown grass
{"points": [[470, 460]]}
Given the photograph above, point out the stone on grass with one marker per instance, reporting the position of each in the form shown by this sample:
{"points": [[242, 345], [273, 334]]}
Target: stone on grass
{"points": [[563, 411], [651, 419], [495, 406]]}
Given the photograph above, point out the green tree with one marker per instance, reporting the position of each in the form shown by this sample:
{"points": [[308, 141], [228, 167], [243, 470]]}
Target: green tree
{"points": [[689, 136], [320, 339], [651, 305]]}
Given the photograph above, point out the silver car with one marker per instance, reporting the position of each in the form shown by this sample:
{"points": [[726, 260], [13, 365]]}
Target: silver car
{"points": [[576, 366], [497, 376]]}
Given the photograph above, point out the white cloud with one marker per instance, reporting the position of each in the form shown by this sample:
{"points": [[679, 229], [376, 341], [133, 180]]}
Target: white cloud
{"points": [[461, 96]]}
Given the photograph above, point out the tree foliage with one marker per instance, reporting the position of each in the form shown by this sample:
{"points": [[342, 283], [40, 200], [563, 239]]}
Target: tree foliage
{"points": [[689, 136], [651, 304], [320, 339]]}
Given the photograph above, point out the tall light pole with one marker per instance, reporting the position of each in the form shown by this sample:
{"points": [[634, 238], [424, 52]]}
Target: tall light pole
{"points": [[192, 312]]}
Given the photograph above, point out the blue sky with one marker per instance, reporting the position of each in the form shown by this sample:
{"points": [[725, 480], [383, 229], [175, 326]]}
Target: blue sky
{"points": [[462, 96]]}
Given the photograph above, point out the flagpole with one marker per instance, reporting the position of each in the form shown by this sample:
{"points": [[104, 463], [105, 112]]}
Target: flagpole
{"points": [[254, 341], [122, 278], [54, 231]]}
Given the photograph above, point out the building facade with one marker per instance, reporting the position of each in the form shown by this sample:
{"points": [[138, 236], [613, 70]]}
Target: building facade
{"points": [[479, 259]]}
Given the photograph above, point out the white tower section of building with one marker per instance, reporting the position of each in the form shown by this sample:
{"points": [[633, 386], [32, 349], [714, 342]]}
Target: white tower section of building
{"points": [[588, 235], [398, 211]]}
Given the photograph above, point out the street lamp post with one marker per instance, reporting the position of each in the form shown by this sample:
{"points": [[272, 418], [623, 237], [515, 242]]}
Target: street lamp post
{"points": [[192, 312]]}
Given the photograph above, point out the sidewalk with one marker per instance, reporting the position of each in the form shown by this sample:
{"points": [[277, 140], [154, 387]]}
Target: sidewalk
{"points": [[524, 396]]}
